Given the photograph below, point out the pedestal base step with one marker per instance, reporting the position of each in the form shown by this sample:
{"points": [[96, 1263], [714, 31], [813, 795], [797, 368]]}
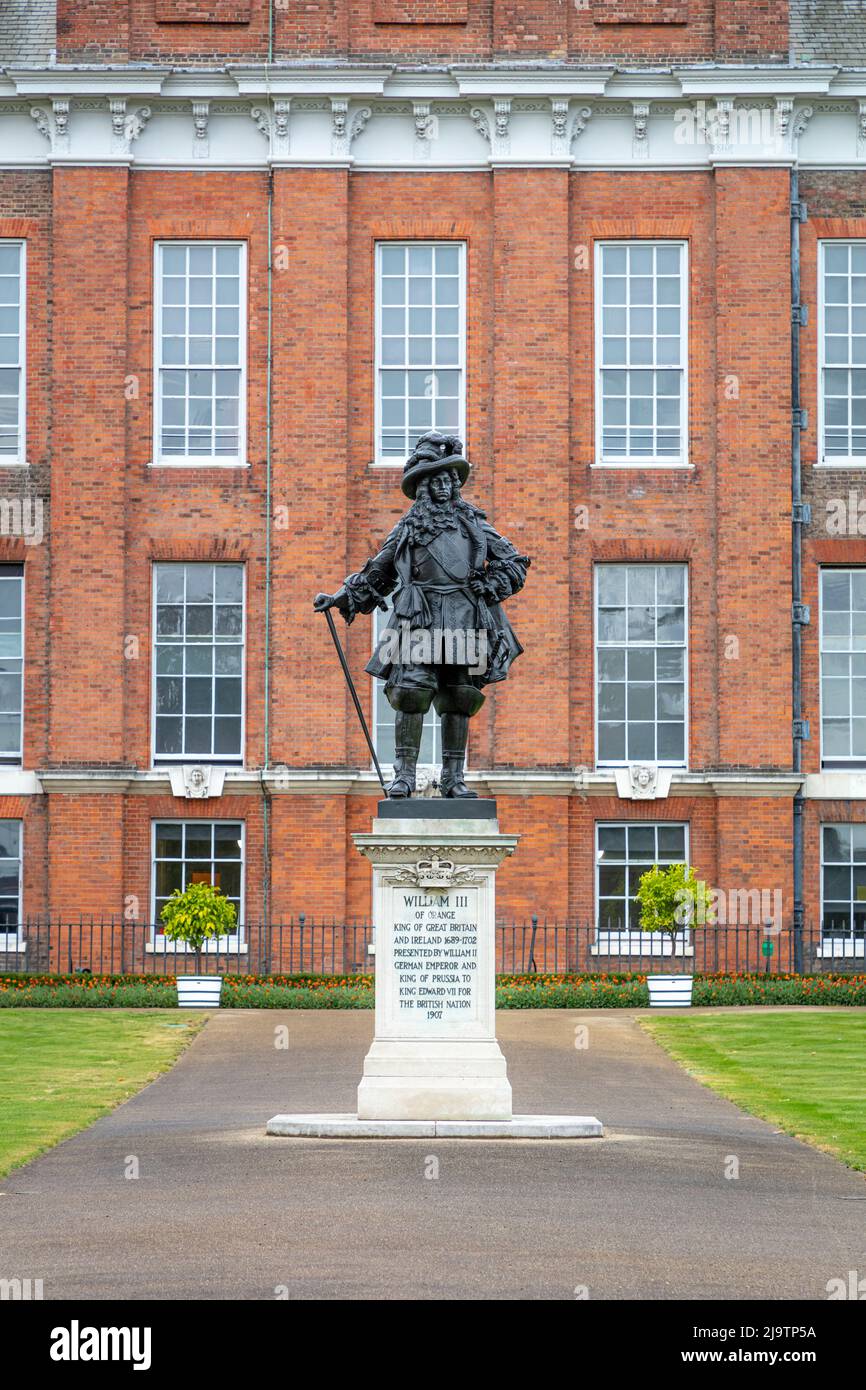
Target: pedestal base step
{"points": [[518, 1127]]}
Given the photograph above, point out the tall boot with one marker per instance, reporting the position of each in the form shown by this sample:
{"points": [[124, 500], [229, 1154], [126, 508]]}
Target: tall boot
{"points": [[455, 731], [407, 731]]}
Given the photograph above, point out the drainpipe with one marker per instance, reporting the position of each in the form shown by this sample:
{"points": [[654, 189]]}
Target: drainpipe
{"points": [[266, 801], [800, 517]]}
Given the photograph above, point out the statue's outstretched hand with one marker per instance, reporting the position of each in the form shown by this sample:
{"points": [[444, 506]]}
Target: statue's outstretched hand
{"points": [[340, 600]]}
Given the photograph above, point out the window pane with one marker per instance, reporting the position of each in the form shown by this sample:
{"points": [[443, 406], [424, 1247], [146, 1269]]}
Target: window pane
{"points": [[640, 661], [641, 327], [843, 690], [11, 356], [418, 276], [623, 854], [198, 410], [201, 638], [198, 852], [843, 347], [11, 662]]}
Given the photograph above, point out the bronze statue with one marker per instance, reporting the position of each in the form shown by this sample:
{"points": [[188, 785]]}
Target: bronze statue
{"points": [[447, 636]]}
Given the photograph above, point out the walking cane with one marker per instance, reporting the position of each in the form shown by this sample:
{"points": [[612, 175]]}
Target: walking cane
{"points": [[354, 694]]}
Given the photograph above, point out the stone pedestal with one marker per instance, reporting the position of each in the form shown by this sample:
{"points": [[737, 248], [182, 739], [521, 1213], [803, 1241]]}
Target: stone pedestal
{"points": [[435, 1054], [435, 1068]]}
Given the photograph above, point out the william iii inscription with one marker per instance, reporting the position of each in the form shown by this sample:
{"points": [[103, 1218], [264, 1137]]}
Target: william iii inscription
{"points": [[435, 954]]}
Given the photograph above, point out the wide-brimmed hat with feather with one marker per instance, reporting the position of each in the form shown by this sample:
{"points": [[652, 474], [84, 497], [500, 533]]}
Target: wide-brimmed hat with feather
{"points": [[432, 453]]}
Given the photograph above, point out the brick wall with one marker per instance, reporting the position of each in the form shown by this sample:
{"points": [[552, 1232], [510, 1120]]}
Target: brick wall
{"points": [[530, 237], [26, 211], [625, 31], [193, 513], [88, 520]]}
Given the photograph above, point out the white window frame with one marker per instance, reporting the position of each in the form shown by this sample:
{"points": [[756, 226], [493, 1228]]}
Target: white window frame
{"points": [[627, 762], [624, 461], [630, 943], [219, 945], [842, 947], [855, 461], [19, 460], [380, 617], [833, 762], [379, 460], [9, 760], [164, 760], [199, 460], [9, 940]]}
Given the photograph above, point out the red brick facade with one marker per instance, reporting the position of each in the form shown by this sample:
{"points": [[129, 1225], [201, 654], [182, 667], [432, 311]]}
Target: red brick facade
{"points": [[529, 234], [615, 31]]}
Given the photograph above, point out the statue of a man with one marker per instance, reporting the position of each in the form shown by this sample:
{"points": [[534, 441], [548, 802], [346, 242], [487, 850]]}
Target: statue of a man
{"points": [[447, 636]]}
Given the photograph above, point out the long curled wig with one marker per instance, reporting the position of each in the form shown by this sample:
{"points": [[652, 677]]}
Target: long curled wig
{"points": [[426, 519]]}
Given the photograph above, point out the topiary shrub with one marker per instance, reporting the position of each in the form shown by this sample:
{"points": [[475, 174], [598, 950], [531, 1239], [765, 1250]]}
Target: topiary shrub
{"points": [[196, 915]]}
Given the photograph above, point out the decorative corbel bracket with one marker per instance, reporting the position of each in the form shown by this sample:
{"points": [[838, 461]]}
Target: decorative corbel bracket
{"points": [[196, 782], [784, 113], [54, 124], [800, 122], [117, 112], [719, 126], [135, 123], [426, 129], [345, 130], [280, 131], [200, 118], [578, 126], [273, 122], [501, 142], [359, 122], [481, 122], [640, 129], [642, 782], [559, 142], [340, 127]]}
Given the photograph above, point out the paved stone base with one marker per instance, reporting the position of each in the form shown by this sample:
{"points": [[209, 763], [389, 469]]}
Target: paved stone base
{"points": [[518, 1127], [434, 1079]]}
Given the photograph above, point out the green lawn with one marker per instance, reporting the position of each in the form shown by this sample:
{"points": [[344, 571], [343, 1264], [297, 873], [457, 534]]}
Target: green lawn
{"points": [[804, 1072], [61, 1070]]}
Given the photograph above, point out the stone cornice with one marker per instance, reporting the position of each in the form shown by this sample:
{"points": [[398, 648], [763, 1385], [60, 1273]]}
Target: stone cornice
{"points": [[59, 82], [305, 781], [357, 81], [546, 82], [716, 80], [402, 842], [482, 117], [835, 785]]}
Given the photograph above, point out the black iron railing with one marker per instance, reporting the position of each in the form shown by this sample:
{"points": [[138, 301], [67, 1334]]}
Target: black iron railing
{"points": [[316, 945]]}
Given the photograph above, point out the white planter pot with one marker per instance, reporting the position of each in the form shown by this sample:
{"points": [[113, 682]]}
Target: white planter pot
{"points": [[670, 991], [199, 991]]}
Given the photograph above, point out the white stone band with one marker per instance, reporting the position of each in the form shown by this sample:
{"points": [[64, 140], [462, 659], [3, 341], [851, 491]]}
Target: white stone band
{"points": [[462, 119]]}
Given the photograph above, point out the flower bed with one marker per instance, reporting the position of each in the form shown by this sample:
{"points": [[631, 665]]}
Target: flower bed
{"points": [[529, 991], [779, 989], [87, 992], [536, 991], [298, 992]]}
